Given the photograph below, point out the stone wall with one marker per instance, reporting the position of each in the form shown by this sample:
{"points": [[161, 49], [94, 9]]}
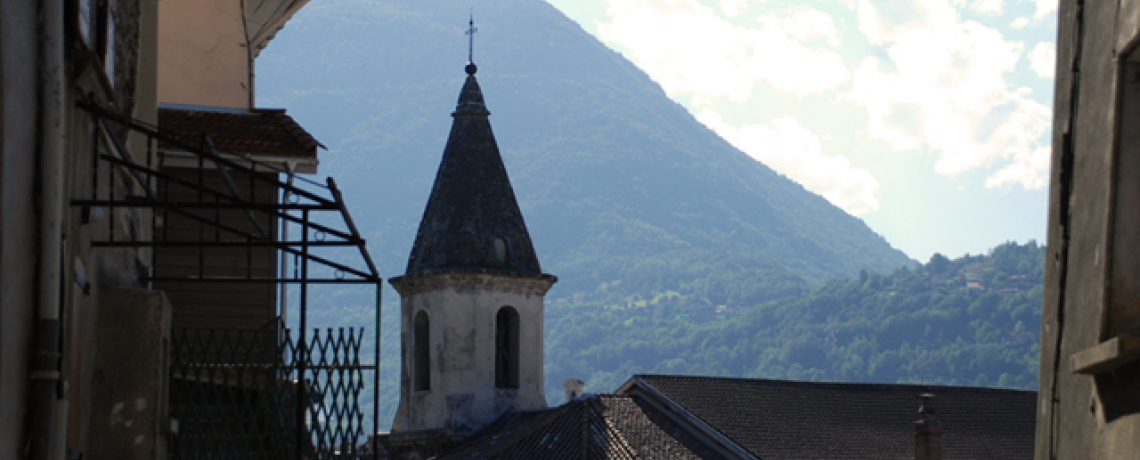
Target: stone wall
{"points": [[1088, 408], [129, 375], [18, 78]]}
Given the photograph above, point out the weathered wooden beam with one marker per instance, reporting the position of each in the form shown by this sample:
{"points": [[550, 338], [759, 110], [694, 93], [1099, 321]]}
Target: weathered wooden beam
{"points": [[1106, 356]]}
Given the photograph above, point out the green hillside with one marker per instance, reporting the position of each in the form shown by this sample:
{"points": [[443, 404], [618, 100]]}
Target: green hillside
{"points": [[971, 321]]}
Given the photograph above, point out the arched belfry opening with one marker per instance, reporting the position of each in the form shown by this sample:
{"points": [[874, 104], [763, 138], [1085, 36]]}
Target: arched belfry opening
{"points": [[507, 348], [422, 350]]}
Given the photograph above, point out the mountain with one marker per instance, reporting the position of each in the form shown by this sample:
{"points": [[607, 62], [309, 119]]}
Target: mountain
{"points": [[616, 180], [627, 197]]}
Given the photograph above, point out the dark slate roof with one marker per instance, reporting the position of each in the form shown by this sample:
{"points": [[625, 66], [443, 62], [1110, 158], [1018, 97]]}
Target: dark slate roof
{"points": [[472, 203], [267, 132], [808, 420], [600, 426]]}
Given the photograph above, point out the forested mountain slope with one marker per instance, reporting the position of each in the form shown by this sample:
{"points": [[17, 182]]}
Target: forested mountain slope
{"points": [[975, 320]]}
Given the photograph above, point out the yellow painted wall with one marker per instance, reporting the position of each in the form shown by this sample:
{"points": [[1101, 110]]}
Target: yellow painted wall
{"points": [[202, 54]]}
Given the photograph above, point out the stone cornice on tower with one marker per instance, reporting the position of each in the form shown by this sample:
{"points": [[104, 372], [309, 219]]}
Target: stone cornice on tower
{"points": [[500, 282]]}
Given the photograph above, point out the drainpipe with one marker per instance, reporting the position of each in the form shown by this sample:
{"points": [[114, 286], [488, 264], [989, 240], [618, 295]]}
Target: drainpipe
{"points": [[45, 386], [290, 171]]}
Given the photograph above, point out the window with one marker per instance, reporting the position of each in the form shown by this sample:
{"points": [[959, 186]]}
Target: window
{"points": [[422, 350], [507, 348], [94, 25], [108, 41], [84, 19], [500, 251]]}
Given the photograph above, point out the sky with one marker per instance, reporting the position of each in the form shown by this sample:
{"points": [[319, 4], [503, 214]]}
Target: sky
{"points": [[928, 119]]}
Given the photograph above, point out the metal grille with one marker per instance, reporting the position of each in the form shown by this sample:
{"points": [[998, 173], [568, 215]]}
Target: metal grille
{"points": [[251, 394], [234, 394]]}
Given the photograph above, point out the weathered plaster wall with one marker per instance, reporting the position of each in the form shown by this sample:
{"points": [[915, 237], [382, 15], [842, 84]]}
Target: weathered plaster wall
{"points": [[462, 309], [202, 54], [1092, 238], [18, 74], [129, 375], [21, 197]]}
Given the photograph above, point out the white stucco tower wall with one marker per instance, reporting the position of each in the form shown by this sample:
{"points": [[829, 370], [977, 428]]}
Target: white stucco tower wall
{"points": [[463, 344]]}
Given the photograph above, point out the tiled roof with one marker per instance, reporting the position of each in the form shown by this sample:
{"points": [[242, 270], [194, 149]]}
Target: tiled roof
{"points": [[603, 426], [472, 221], [836, 421], [259, 132]]}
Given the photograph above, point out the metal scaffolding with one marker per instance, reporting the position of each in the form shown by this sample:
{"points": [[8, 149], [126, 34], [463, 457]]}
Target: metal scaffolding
{"points": [[325, 238]]}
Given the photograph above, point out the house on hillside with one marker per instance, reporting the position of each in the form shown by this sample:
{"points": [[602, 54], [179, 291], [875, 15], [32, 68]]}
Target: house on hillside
{"points": [[153, 216]]}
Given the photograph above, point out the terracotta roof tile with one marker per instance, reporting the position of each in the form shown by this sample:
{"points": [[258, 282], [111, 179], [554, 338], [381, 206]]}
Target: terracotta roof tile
{"points": [[603, 426], [259, 132], [835, 421]]}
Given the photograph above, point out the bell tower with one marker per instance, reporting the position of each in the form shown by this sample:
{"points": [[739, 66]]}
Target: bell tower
{"points": [[472, 295]]}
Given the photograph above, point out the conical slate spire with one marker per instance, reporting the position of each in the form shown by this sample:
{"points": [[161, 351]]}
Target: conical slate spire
{"points": [[472, 222]]}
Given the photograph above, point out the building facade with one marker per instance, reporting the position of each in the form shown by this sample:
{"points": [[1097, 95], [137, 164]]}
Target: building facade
{"points": [[124, 224], [1088, 407]]}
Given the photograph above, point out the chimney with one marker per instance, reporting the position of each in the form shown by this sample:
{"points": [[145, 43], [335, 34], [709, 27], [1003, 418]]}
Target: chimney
{"points": [[927, 431], [573, 389]]}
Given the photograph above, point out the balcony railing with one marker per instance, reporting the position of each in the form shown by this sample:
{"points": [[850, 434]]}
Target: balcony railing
{"points": [[270, 393]]}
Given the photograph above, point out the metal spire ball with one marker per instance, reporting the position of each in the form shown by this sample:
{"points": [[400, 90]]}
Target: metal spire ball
{"points": [[471, 68]]}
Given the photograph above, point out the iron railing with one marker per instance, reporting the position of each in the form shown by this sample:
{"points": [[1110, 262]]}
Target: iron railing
{"points": [[248, 381]]}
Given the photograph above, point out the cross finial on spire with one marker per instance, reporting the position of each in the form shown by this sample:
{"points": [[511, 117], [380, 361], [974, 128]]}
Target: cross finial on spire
{"points": [[471, 43]]}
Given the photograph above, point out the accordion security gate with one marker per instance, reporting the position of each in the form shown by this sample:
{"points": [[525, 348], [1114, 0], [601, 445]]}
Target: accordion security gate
{"points": [[238, 394], [262, 393]]}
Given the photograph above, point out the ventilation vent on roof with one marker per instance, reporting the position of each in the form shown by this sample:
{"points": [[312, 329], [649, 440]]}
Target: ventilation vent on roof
{"points": [[573, 388]]}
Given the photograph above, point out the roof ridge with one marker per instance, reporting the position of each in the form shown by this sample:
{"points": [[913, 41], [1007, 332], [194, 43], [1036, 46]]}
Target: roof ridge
{"points": [[811, 383]]}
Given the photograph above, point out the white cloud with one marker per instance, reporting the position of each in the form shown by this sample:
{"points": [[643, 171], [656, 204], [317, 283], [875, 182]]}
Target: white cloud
{"points": [[1041, 10], [1043, 59], [805, 24], [987, 6], [936, 82], [792, 149], [733, 8], [947, 91], [690, 49], [1045, 8], [879, 23], [1029, 169]]}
